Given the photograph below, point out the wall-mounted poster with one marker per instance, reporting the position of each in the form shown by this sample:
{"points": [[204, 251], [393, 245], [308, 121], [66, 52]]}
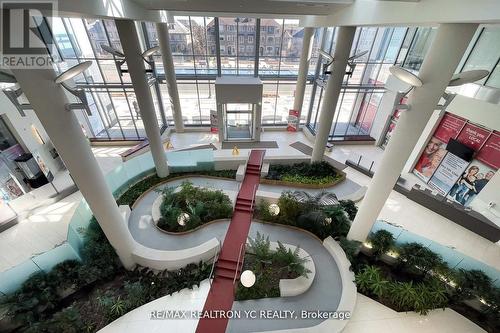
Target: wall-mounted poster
{"points": [[39, 160], [472, 181], [435, 150], [448, 172], [214, 121], [473, 136], [490, 152], [293, 121]]}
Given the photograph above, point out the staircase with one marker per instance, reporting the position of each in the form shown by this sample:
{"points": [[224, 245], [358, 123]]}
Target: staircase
{"points": [[230, 263]]}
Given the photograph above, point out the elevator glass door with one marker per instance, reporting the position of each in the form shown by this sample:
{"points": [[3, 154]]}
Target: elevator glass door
{"points": [[239, 122]]}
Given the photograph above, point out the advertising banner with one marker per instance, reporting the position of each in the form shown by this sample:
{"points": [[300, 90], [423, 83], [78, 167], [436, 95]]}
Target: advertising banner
{"points": [[435, 150], [473, 136], [431, 157], [293, 121], [470, 184], [448, 172], [40, 161], [449, 127], [490, 152], [214, 121]]}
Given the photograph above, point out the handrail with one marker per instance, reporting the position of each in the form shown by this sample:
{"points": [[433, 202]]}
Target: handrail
{"points": [[238, 263], [216, 257], [253, 196]]}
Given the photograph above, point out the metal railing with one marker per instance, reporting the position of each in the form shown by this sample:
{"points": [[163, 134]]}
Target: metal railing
{"points": [[254, 193], [216, 257], [238, 263]]}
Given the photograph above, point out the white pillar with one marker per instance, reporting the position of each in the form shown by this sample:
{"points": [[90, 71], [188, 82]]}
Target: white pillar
{"points": [[446, 50], [136, 69], [49, 100], [305, 57], [168, 65], [332, 91]]}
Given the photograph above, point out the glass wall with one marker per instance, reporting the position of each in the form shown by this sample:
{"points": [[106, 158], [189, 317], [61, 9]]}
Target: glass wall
{"points": [[273, 44], [485, 54], [115, 112], [374, 49]]}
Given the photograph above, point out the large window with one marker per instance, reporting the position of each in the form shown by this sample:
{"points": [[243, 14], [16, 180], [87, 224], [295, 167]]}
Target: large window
{"points": [[115, 111], [378, 49], [485, 54], [275, 43]]}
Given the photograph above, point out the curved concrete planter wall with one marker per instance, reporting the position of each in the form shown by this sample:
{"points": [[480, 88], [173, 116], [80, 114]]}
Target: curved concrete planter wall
{"points": [[297, 286], [347, 300]]}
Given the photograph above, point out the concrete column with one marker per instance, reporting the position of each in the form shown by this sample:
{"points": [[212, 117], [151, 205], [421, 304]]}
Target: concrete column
{"points": [[305, 57], [136, 69], [332, 91], [445, 53], [168, 65], [49, 100]]}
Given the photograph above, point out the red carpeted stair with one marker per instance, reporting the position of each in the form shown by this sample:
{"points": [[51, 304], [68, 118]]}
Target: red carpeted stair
{"points": [[228, 266]]}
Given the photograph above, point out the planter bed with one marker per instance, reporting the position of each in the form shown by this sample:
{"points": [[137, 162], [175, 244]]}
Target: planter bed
{"points": [[304, 175]]}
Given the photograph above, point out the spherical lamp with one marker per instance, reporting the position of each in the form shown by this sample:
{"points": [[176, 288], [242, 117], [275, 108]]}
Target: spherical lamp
{"points": [[182, 219], [247, 278], [274, 209]]}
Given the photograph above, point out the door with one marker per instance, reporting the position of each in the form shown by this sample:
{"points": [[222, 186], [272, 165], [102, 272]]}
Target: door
{"points": [[239, 121]]}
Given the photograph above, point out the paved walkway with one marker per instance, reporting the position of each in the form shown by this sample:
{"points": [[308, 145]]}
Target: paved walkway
{"points": [[324, 293]]}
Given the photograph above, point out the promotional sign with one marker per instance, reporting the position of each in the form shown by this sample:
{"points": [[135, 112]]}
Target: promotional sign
{"points": [[490, 152], [214, 121], [473, 136], [449, 127], [293, 121], [470, 184], [431, 157], [46, 171], [435, 150], [448, 172]]}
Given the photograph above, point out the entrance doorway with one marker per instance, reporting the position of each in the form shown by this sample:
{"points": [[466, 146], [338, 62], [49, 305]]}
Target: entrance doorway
{"points": [[238, 121]]}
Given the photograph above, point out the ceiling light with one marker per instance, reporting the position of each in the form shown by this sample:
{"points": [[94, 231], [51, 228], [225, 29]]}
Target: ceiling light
{"points": [[112, 51], [406, 76], [73, 71], [77, 92], [468, 77], [149, 52]]}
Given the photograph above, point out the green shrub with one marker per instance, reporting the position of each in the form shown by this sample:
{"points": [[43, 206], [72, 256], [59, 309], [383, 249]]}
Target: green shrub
{"points": [[65, 274], [304, 173], [350, 208], [472, 283], [417, 259], [135, 191], [202, 205], [66, 321], [340, 224], [291, 260], [98, 254], [350, 247], [382, 241], [260, 247], [369, 280]]}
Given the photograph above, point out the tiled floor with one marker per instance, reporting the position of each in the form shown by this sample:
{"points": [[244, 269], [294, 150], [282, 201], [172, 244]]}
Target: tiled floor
{"points": [[373, 317]]}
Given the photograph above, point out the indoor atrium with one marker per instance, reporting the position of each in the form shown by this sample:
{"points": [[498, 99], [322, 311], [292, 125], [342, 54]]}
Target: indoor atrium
{"points": [[249, 166]]}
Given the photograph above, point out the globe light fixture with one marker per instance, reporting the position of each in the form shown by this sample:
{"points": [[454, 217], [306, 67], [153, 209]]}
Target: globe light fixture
{"points": [[247, 278], [274, 209], [182, 219]]}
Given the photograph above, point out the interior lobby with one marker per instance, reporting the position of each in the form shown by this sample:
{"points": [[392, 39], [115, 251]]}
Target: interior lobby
{"points": [[250, 166]]}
